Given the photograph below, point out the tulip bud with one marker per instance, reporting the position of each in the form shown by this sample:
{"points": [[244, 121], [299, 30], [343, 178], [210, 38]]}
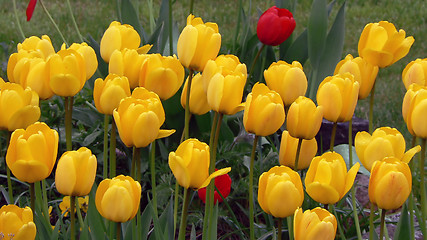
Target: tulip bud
{"points": [[288, 151], [108, 93], [223, 184], [382, 45], [327, 179], [415, 72], [75, 172], [42, 46], [275, 26], [416, 113], [118, 199], [198, 99], [264, 112], [317, 223], [390, 183], [17, 223], [409, 96], [89, 57], [280, 191], [304, 118]]}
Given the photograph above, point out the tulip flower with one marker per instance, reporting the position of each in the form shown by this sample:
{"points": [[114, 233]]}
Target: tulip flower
{"points": [[414, 110], [338, 96], [64, 206], [108, 93], [415, 72], [390, 183], [288, 80], [118, 37], [128, 62], [382, 45], [39, 47], [327, 179], [317, 223], [304, 118], [364, 73], [19, 107], [223, 184], [288, 149], [264, 111], [32, 152], [198, 43], [412, 90], [139, 118], [17, 223], [275, 26], [162, 75], [280, 191], [198, 99], [89, 57], [118, 199], [75, 172], [224, 81], [384, 142]]}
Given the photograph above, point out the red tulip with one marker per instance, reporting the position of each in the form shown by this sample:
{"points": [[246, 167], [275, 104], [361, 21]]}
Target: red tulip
{"points": [[30, 9], [223, 183], [275, 26]]}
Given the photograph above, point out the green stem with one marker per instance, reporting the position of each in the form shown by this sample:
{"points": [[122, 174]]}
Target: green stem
{"points": [[236, 31], [338, 222], [68, 101], [353, 189], [153, 175], [175, 207], [74, 21], [53, 22], [251, 190], [135, 163], [290, 227], [18, 23], [33, 198], [191, 6], [105, 153], [170, 29], [79, 214], [187, 106], [422, 182], [371, 110], [334, 131], [279, 229], [411, 195], [298, 153], [113, 150], [382, 223], [184, 214], [73, 217], [119, 231], [371, 222], [252, 68], [9, 185], [45, 208]]}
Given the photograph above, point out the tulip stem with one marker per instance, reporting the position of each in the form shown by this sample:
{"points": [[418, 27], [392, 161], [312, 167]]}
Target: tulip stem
{"points": [[353, 189], [73, 217], [371, 109], [118, 231], [68, 101], [290, 227], [113, 149], [183, 225], [252, 68], [338, 222], [187, 106], [334, 131], [298, 153], [153, 175], [53, 22], [411, 195], [170, 29], [191, 6], [33, 198], [79, 214], [9, 185], [422, 182], [279, 229], [175, 207], [17, 20], [105, 153], [251, 189], [382, 223], [371, 222], [74, 21], [135, 167]]}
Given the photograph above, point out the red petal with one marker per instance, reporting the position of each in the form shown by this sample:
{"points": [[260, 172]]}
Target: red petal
{"points": [[30, 9], [223, 183]]}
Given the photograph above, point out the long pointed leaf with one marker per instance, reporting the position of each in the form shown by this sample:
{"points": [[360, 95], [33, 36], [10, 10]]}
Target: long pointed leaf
{"points": [[129, 16], [317, 31]]}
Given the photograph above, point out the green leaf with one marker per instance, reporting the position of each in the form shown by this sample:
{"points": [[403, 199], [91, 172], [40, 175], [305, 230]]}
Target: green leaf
{"points": [[342, 149], [129, 16], [95, 220], [85, 117], [317, 31], [193, 233], [89, 139], [298, 51], [146, 217], [213, 223], [403, 228]]}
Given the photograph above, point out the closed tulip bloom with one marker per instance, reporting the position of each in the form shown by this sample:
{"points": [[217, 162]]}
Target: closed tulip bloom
{"points": [[338, 96], [75, 172], [19, 107], [382, 45], [162, 75], [315, 224], [390, 183], [118, 199], [17, 223], [304, 118], [364, 73], [416, 114], [275, 26], [288, 80], [415, 72], [36, 76], [118, 37], [190, 164], [413, 89], [327, 179], [198, 43], [280, 191], [42, 46], [224, 81], [32, 152], [288, 151], [384, 142], [139, 118], [108, 93], [264, 112], [89, 56], [67, 72], [198, 99]]}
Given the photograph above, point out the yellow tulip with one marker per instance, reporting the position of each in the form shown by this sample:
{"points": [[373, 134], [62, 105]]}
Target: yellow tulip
{"points": [[118, 199], [415, 72], [64, 206], [118, 37], [108, 93], [304, 118], [390, 183], [139, 118], [288, 151], [338, 96], [41, 46], [128, 62], [327, 179], [32, 152], [224, 81], [264, 111], [89, 57], [415, 111], [198, 43], [198, 99], [75, 172], [364, 73], [190, 164], [162, 75], [382, 45], [17, 223], [67, 72], [280, 191], [384, 142], [315, 224], [19, 107], [413, 89], [288, 80]]}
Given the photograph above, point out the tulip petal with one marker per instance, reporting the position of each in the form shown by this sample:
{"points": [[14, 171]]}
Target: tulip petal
{"points": [[165, 133], [65, 177], [100, 191], [186, 45], [322, 193], [29, 171], [410, 154], [214, 175], [349, 180], [391, 191], [284, 190], [117, 212], [180, 171], [24, 117]]}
